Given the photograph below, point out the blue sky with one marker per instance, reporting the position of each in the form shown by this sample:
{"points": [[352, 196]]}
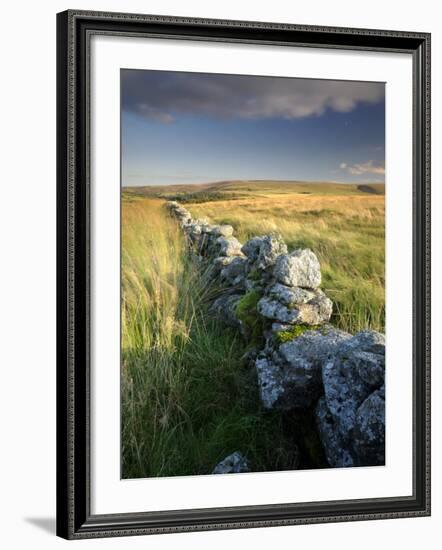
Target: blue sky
{"points": [[180, 128]]}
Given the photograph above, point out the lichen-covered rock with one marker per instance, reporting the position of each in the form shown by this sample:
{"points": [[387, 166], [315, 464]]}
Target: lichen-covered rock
{"points": [[367, 444], [316, 311], [314, 346], [222, 230], [262, 252], [204, 237], [354, 400], [206, 227], [351, 375], [290, 296], [213, 270], [272, 309], [192, 228], [367, 340], [228, 246], [224, 308], [223, 261], [369, 432], [253, 285], [235, 463], [271, 247], [290, 377], [194, 232], [183, 216], [300, 268], [370, 366], [336, 454], [204, 223], [234, 273], [251, 248], [272, 381]]}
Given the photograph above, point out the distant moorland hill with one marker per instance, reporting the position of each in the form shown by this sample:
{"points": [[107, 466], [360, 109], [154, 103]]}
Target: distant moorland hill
{"points": [[238, 189]]}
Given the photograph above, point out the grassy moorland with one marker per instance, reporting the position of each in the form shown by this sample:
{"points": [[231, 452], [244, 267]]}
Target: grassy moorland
{"points": [[343, 224], [187, 398]]}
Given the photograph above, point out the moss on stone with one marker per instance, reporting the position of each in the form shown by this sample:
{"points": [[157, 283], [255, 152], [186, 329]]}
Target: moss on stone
{"points": [[294, 332], [246, 311], [254, 275]]}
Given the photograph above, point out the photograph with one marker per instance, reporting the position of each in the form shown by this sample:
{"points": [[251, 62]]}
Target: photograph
{"points": [[217, 285], [252, 273], [243, 273]]}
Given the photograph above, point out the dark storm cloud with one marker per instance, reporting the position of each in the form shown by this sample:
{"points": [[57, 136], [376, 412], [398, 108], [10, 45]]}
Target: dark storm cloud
{"points": [[163, 95]]}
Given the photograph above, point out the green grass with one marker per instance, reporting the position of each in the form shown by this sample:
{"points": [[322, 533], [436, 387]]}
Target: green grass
{"points": [[187, 398], [346, 231]]}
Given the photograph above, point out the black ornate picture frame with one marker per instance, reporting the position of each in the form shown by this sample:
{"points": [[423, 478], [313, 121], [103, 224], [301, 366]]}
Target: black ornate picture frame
{"points": [[74, 32]]}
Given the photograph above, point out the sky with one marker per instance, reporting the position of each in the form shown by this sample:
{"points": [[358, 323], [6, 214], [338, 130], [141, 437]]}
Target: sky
{"points": [[181, 128]]}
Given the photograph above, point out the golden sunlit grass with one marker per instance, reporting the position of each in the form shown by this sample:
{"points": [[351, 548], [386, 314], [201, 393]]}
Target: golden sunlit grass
{"points": [[152, 274], [187, 399], [347, 232]]}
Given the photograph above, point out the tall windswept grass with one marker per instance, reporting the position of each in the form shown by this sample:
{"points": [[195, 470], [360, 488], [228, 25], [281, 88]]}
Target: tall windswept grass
{"points": [[187, 399], [155, 313]]}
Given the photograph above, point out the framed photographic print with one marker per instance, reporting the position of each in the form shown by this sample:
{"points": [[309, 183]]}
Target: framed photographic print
{"points": [[243, 274]]}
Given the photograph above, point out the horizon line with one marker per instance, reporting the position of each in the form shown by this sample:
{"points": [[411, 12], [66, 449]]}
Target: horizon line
{"points": [[210, 182]]}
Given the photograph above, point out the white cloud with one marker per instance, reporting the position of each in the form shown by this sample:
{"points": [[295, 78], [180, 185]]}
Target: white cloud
{"points": [[369, 167]]}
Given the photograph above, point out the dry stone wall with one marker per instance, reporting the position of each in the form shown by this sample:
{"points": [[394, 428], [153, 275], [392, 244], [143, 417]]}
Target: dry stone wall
{"points": [[274, 298]]}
